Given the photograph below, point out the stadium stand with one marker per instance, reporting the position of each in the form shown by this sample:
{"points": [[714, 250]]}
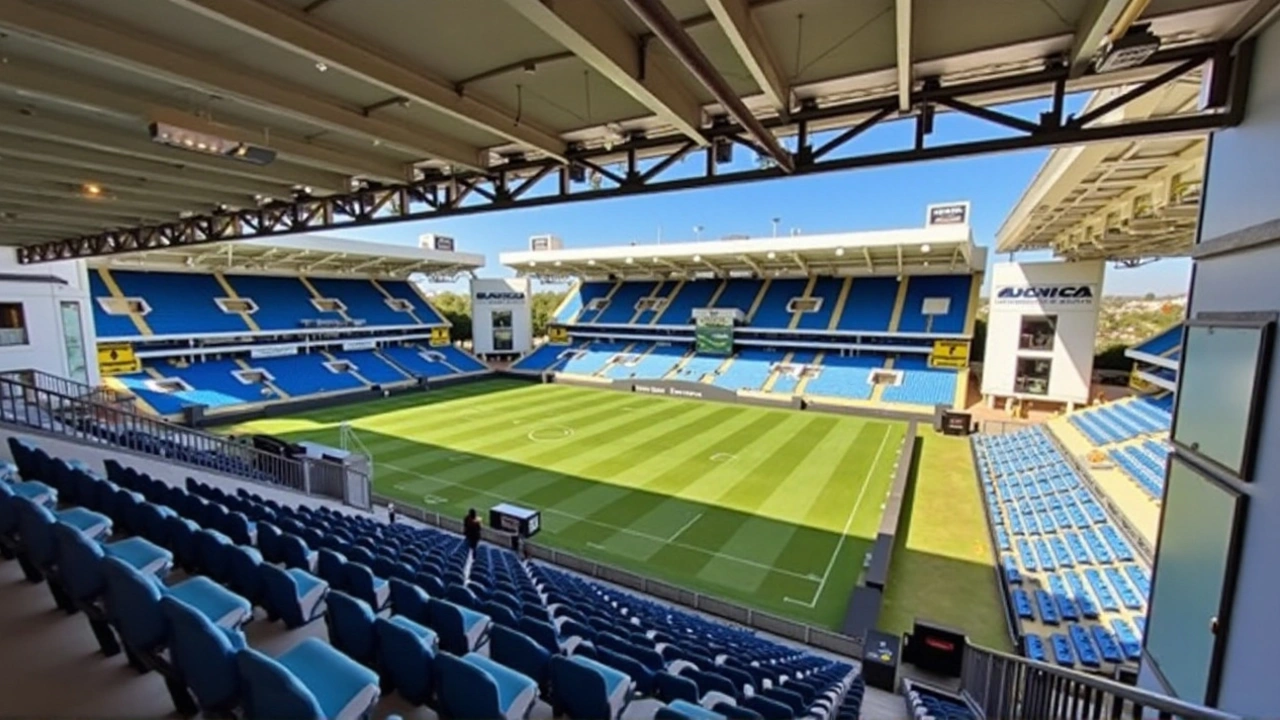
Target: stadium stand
{"points": [[869, 306], [1074, 582], [407, 610]]}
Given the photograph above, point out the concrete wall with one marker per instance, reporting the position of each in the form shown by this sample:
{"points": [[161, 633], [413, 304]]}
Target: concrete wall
{"points": [[1021, 290], [42, 291], [1241, 198]]}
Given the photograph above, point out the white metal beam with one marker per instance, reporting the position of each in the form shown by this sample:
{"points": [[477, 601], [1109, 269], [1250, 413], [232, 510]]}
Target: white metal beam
{"points": [[85, 159], [105, 40], [755, 267], [298, 32], [50, 86], [103, 138], [906, 78], [1098, 19], [586, 29], [17, 170], [738, 24]]}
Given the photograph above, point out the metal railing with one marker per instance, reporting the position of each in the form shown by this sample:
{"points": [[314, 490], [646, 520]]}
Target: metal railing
{"points": [[1002, 686], [73, 388], [42, 405], [739, 614]]}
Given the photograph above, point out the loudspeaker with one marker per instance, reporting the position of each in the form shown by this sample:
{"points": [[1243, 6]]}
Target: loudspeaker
{"points": [[193, 415]]}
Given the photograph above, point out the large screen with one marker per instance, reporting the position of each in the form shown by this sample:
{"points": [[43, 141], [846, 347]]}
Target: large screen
{"points": [[712, 337]]}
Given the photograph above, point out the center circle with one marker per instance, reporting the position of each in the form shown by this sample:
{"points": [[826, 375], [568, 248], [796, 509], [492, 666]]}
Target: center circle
{"points": [[550, 433]]}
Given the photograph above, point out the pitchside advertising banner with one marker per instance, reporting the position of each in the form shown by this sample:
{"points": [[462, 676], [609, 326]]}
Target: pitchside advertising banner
{"points": [[713, 336]]}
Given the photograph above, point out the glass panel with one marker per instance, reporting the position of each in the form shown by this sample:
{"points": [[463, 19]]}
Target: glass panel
{"points": [[1191, 568], [1038, 332], [73, 342], [1215, 393]]}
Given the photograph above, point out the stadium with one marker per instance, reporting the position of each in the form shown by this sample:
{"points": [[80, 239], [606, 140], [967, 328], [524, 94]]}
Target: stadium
{"points": [[255, 466]]}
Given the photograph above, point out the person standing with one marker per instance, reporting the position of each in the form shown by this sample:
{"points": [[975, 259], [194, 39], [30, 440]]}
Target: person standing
{"points": [[391, 513], [471, 530]]}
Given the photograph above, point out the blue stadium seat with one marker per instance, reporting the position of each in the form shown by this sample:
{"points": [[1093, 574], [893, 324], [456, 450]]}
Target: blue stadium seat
{"points": [[310, 680], [583, 688], [474, 686], [204, 656], [406, 653], [293, 595]]}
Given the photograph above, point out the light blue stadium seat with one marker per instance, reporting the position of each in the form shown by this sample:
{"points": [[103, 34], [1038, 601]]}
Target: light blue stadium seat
{"points": [[684, 710], [474, 686], [461, 629], [350, 622], [584, 688], [311, 680], [293, 595], [521, 653], [372, 367], [546, 357], [204, 656], [406, 656]]}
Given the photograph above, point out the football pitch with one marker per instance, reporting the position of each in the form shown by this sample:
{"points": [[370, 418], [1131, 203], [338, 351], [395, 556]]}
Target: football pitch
{"points": [[774, 509]]}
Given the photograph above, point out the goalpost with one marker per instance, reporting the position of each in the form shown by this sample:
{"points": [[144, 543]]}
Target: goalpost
{"points": [[350, 442]]}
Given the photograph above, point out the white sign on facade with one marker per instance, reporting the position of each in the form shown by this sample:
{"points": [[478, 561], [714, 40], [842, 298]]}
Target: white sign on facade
{"points": [[274, 351], [360, 345], [1041, 330], [501, 315]]}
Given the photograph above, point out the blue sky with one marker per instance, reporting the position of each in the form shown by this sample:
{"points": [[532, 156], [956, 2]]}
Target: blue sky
{"points": [[870, 199]]}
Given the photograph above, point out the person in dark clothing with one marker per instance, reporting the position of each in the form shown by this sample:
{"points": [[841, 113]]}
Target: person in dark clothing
{"points": [[471, 529], [391, 513]]}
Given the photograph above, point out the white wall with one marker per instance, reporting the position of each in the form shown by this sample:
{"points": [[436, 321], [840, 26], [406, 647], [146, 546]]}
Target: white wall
{"points": [[51, 284], [491, 295], [1026, 289], [1241, 192]]}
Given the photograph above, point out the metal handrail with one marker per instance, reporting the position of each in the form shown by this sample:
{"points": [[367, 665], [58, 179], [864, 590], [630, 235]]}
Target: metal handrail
{"points": [[67, 386], [1001, 686], [84, 419]]}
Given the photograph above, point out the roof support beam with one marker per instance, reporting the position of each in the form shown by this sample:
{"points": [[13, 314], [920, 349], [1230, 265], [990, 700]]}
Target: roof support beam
{"points": [[755, 267], [51, 129], [667, 29], [94, 216], [31, 191], [119, 184], [588, 31], [1096, 22], [103, 39], [175, 173], [54, 86], [294, 30], [804, 267], [735, 19], [906, 79], [866, 255]]}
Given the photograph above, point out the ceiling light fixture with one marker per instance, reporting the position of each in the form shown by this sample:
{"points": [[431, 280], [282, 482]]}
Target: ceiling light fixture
{"points": [[186, 138], [92, 189]]}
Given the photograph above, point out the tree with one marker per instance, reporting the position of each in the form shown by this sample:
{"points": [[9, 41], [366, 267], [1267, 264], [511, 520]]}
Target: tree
{"points": [[544, 309], [456, 308], [1149, 297]]}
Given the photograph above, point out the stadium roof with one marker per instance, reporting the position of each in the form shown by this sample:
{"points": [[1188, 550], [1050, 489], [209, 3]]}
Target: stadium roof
{"points": [[1117, 201], [303, 254], [349, 96], [938, 249]]}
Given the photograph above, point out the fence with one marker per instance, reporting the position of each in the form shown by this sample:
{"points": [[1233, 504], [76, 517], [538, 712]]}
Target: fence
{"points": [[1001, 686], [738, 614], [71, 388], [42, 404]]}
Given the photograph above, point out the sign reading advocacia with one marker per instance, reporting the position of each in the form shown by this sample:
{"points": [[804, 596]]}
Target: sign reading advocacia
{"points": [[949, 354], [439, 336], [117, 359], [558, 335]]}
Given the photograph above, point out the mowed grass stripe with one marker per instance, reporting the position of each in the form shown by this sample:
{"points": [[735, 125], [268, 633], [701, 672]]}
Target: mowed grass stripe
{"points": [[855, 486], [764, 539], [635, 478], [449, 428], [715, 530]]}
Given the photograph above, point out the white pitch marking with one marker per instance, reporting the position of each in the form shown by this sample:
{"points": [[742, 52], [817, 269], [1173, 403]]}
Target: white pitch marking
{"points": [[595, 545], [685, 527], [565, 433], [845, 533], [597, 523], [723, 457]]}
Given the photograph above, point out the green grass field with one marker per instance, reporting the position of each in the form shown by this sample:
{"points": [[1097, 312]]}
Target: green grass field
{"points": [[771, 508], [942, 563]]}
